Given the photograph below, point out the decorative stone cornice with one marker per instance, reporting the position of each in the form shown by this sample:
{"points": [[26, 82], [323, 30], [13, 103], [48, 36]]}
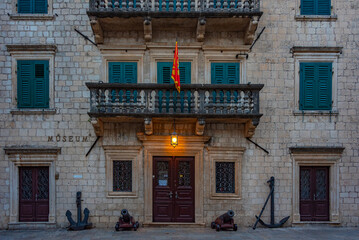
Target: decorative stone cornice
{"points": [[32, 150], [328, 150], [300, 49], [31, 48]]}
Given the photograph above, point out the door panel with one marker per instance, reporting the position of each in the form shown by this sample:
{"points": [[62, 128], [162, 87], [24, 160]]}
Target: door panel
{"points": [[173, 189], [314, 193], [34, 194]]}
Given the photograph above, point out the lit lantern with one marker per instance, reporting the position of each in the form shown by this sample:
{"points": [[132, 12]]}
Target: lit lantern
{"points": [[174, 139]]}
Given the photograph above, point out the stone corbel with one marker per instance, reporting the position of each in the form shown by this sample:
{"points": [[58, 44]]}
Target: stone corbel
{"points": [[98, 126], [148, 126], [147, 28], [201, 29], [250, 127], [97, 29], [200, 124], [250, 31]]}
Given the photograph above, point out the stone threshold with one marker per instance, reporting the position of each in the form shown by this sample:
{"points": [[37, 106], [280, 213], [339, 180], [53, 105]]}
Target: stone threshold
{"points": [[31, 225], [173, 224], [315, 224]]}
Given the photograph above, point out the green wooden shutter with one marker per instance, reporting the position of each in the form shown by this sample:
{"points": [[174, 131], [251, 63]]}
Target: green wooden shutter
{"points": [[324, 86], [122, 72], [315, 86], [315, 7], [164, 71], [24, 6], [40, 6], [33, 84], [323, 7], [224, 73]]}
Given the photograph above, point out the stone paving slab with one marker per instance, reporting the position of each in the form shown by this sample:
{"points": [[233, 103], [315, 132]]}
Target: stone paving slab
{"points": [[305, 233]]}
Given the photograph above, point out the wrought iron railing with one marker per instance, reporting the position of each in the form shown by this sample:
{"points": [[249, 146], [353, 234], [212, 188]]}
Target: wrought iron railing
{"points": [[195, 100], [244, 6]]}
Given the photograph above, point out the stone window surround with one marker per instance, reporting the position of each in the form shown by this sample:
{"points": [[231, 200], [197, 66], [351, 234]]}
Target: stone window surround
{"points": [[31, 157], [32, 52], [317, 156], [122, 55], [160, 146], [316, 54], [225, 154], [224, 55], [122, 153], [326, 18], [166, 55], [14, 15]]}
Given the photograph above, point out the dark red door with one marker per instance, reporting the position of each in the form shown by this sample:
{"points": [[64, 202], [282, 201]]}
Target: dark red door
{"points": [[34, 194], [314, 193], [173, 189]]}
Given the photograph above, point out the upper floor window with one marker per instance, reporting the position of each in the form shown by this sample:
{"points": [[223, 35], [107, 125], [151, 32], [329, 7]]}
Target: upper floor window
{"points": [[315, 7], [164, 71], [315, 86], [32, 6], [225, 73], [33, 84], [122, 72]]}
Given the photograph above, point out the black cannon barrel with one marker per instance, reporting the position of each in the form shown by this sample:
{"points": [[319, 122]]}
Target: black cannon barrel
{"points": [[125, 215], [227, 216]]}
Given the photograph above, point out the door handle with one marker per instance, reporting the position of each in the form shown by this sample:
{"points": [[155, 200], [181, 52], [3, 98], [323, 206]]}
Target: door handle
{"points": [[176, 195], [36, 197], [170, 194], [314, 196]]}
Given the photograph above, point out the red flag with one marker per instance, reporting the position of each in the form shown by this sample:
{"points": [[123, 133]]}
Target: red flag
{"points": [[175, 70]]}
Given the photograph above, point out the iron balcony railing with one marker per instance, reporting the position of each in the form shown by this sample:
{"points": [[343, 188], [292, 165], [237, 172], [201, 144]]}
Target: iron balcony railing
{"points": [[163, 100], [181, 6]]}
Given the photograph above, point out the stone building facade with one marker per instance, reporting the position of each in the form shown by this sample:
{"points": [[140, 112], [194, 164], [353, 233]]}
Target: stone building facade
{"points": [[112, 142]]}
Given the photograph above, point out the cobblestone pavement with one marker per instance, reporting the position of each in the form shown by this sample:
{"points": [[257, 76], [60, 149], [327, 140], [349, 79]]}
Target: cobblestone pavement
{"points": [[305, 233]]}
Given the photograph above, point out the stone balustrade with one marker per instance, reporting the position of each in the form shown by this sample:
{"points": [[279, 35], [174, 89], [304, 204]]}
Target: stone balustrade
{"points": [[241, 6], [163, 100]]}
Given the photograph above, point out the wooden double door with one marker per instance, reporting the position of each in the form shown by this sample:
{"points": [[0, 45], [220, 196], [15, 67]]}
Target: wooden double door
{"points": [[33, 194], [314, 193], [173, 189]]}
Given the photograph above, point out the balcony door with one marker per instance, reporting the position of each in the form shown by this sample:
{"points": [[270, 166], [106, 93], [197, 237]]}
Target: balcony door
{"points": [[173, 189], [314, 193], [33, 194]]}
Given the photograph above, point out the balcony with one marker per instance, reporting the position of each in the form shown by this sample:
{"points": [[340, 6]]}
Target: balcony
{"points": [[197, 103], [200, 15]]}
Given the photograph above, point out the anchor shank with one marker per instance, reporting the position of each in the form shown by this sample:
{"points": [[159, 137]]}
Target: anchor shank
{"points": [[78, 203], [272, 203]]}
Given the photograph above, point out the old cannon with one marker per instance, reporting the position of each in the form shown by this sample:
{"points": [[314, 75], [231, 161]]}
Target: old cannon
{"points": [[225, 221], [126, 221]]}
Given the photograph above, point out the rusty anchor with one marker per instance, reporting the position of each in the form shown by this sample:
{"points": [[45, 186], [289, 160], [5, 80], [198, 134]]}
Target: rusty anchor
{"points": [[272, 224]]}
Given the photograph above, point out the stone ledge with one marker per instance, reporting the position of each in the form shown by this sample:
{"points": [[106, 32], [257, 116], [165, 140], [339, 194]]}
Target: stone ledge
{"points": [[31, 225], [315, 113], [33, 111], [32, 149], [317, 49], [314, 224], [318, 149], [324, 18], [31, 48], [32, 17]]}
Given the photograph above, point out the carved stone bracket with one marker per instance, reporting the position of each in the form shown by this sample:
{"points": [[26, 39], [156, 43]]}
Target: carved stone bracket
{"points": [[147, 28], [200, 124], [148, 126], [250, 127], [201, 29], [97, 29], [250, 31], [98, 126]]}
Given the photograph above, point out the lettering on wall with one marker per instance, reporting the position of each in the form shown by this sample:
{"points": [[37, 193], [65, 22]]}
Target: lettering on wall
{"points": [[59, 138]]}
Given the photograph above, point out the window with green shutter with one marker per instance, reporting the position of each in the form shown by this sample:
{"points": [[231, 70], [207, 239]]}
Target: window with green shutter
{"points": [[164, 70], [225, 73], [122, 72], [32, 6], [33, 84], [315, 86], [315, 7]]}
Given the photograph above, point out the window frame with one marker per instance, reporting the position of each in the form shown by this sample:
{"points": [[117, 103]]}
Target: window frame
{"points": [[35, 52], [331, 17], [225, 154], [225, 57], [32, 16], [122, 153], [316, 54]]}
